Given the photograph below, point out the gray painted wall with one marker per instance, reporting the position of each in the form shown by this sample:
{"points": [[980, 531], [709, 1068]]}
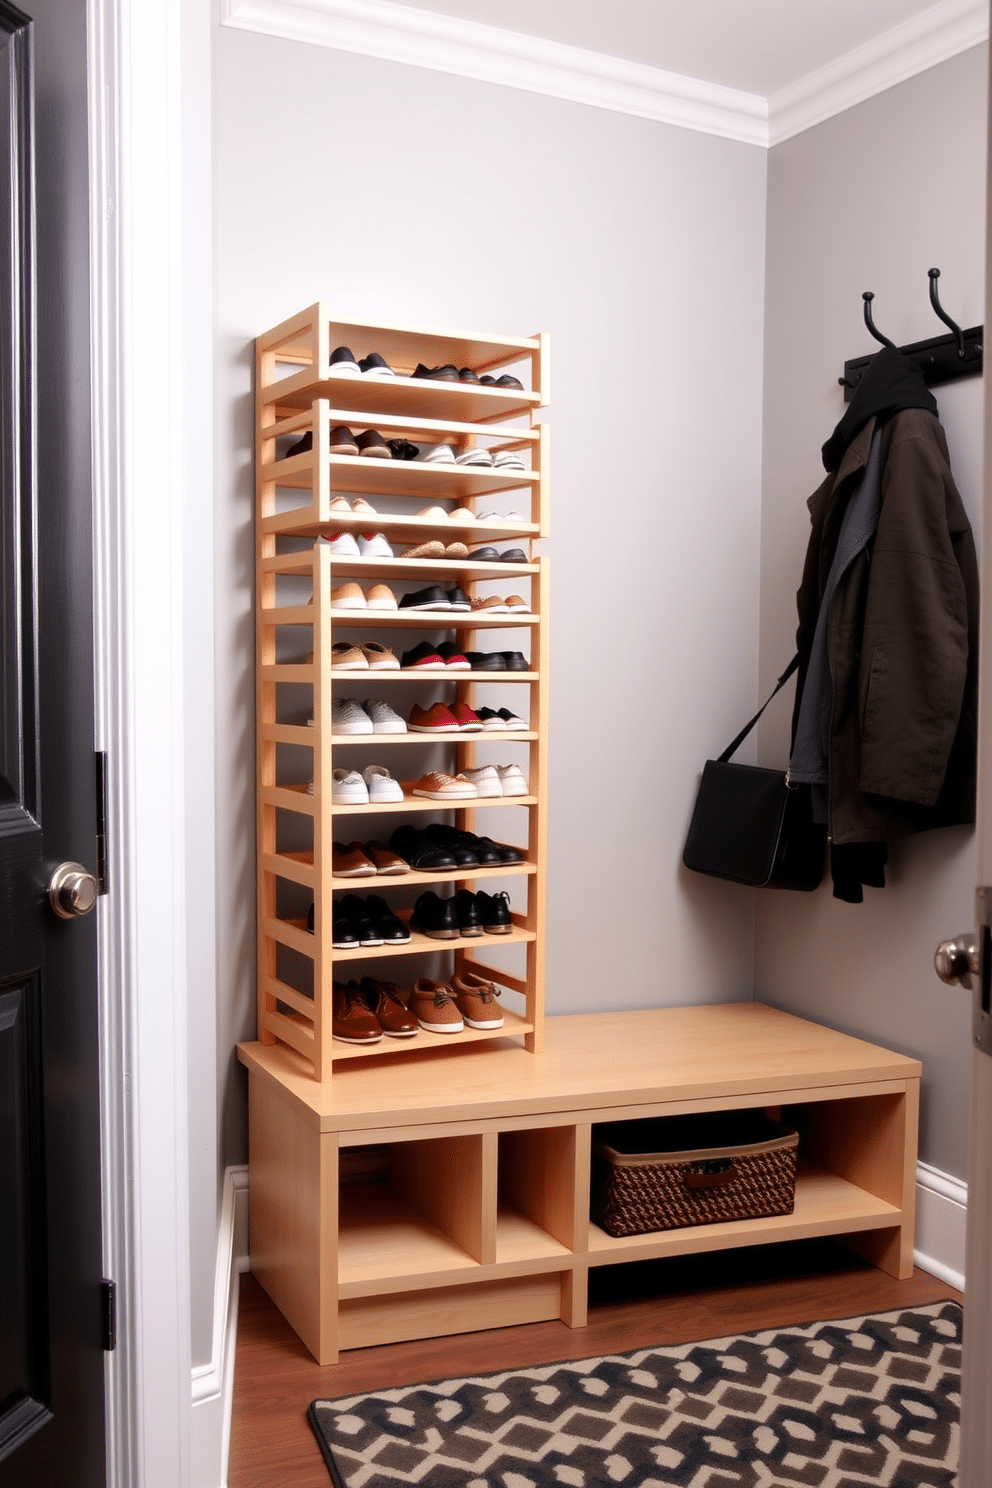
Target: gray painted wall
{"points": [[401, 194], [870, 200]]}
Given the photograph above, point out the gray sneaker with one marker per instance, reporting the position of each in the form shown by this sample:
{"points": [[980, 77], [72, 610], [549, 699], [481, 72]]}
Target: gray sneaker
{"points": [[348, 717], [383, 718]]}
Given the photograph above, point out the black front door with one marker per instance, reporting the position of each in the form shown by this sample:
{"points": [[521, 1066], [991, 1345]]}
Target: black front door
{"points": [[51, 1336]]}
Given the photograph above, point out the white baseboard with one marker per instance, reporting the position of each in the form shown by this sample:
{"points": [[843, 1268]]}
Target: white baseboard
{"points": [[941, 1209], [941, 1214], [213, 1383]]}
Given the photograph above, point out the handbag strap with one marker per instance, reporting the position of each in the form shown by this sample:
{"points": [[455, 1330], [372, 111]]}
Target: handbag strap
{"points": [[732, 749]]}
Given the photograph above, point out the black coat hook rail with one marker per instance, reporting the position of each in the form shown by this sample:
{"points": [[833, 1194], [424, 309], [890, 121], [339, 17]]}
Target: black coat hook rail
{"points": [[941, 359]]}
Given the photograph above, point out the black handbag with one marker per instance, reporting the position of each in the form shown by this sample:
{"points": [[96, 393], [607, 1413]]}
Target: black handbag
{"points": [[750, 826]]}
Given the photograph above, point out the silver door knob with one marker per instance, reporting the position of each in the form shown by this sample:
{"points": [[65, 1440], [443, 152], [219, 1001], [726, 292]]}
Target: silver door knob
{"points": [[956, 961], [71, 891]]}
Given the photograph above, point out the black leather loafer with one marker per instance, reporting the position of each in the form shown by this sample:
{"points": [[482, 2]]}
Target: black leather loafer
{"points": [[515, 661], [434, 917], [513, 555], [467, 913], [458, 600], [486, 661], [487, 554], [431, 598], [354, 908], [494, 912], [424, 854], [390, 927]]}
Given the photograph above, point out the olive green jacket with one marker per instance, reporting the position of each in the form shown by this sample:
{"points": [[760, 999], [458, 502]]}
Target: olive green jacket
{"points": [[903, 640]]}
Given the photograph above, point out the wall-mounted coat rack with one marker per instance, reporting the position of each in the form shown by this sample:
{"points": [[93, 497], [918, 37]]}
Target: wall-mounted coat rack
{"points": [[941, 359]]}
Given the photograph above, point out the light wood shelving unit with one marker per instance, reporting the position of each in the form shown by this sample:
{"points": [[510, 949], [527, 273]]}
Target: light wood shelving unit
{"points": [[298, 392], [395, 1194], [388, 1205]]}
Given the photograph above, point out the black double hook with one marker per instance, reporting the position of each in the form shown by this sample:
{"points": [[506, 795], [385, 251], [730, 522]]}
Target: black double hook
{"points": [[939, 310], [933, 275]]}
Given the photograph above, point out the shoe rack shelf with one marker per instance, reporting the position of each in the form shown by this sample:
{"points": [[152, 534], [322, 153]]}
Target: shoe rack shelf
{"points": [[390, 1206], [299, 392]]}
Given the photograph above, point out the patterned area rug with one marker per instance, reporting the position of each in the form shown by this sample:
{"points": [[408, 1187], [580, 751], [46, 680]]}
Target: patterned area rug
{"points": [[834, 1405]]}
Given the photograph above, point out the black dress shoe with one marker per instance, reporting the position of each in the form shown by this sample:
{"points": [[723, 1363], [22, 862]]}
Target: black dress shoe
{"points": [[390, 927], [403, 450], [467, 913], [455, 842], [466, 846], [509, 381], [302, 445], [494, 913], [486, 661], [434, 917], [448, 373], [356, 911], [515, 661], [465, 374], [503, 850], [424, 854], [513, 555], [458, 600], [487, 554], [431, 598], [344, 933]]}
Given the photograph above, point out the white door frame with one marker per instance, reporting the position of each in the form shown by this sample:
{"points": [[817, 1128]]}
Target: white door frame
{"points": [[976, 1384], [136, 124]]}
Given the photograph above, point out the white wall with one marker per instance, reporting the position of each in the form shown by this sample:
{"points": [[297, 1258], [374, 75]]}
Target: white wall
{"points": [[401, 194], [871, 200]]}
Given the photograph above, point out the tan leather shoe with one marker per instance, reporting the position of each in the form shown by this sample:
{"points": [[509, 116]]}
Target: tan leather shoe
{"points": [[351, 862], [347, 597], [432, 1006], [437, 786], [387, 863]]}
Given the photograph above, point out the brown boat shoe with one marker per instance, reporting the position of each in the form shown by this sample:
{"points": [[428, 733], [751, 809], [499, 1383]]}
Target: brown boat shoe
{"points": [[432, 1005], [351, 861], [387, 863], [476, 1001]]}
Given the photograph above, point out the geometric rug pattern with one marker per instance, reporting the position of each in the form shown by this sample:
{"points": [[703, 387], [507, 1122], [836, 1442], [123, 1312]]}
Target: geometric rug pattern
{"points": [[868, 1400]]}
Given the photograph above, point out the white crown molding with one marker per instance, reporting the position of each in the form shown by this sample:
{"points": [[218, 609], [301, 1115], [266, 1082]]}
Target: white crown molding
{"points": [[400, 33], [936, 35]]}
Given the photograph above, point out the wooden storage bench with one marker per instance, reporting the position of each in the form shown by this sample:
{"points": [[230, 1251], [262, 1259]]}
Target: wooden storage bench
{"points": [[417, 1197]]}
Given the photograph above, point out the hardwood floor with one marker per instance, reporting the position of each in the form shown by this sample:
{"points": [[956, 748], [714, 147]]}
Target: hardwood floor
{"points": [[673, 1301]]}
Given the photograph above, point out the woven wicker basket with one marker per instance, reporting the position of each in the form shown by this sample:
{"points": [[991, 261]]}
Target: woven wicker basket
{"points": [[675, 1171]]}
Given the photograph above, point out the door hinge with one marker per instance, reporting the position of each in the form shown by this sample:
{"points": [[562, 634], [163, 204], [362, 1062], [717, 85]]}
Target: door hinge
{"points": [[101, 821], [109, 1290]]}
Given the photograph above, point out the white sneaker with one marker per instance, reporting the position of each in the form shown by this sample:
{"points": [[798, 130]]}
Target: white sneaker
{"points": [[474, 457], [381, 785], [349, 717], [348, 788], [462, 514], [508, 460], [373, 545], [505, 519], [343, 545], [513, 780], [383, 718], [439, 454], [362, 508], [486, 780]]}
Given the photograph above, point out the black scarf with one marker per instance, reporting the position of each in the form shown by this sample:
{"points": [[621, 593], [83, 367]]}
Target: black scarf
{"points": [[891, 382]]}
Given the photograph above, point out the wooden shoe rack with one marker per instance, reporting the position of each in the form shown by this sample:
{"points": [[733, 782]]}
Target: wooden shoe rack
{"points": [[395, 1194], [298, 392]]}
